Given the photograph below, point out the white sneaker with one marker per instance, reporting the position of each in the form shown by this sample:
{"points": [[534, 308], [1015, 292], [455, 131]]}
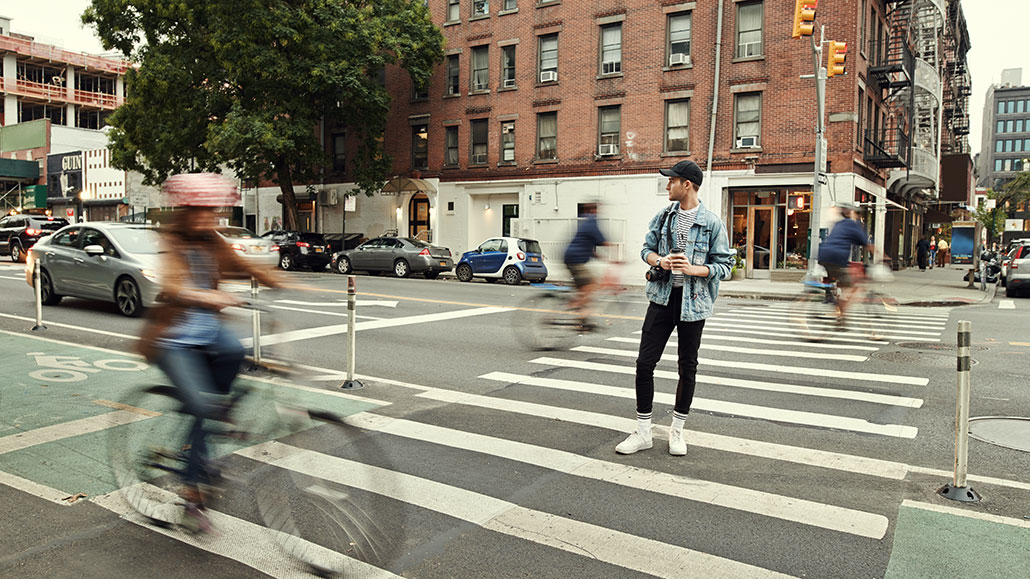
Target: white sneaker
{"points": [[677, 446], [635, 443]]}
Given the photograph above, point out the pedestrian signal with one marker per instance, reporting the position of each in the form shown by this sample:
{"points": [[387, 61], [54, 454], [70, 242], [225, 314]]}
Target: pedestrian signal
{"points": [[796, 202], [804, 17], [837, 53]]}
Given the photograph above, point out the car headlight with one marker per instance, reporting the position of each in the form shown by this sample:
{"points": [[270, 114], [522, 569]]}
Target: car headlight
{"points": [[150, 274]]}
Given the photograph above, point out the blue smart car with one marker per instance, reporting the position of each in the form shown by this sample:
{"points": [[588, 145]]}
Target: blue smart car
{"points": [[512, 259]]}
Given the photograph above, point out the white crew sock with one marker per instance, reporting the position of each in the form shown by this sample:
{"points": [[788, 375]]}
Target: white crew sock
{"points": [[644, 424], [678, 420]]}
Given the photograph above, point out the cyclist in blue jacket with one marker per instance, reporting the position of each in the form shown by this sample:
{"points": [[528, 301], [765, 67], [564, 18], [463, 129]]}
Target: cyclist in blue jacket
{"points": [[835, 252]]}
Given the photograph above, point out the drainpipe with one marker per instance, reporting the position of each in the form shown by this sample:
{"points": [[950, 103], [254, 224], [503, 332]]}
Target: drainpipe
{"points": [[715, 95]]}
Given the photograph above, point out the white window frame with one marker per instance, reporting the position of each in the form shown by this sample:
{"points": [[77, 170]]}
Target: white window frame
{"points": [[540, 138], [609, 138], [479, 79], [737, 122], [747, 49], [544, 55], [665, 145], [611, 53], [689, 17]]}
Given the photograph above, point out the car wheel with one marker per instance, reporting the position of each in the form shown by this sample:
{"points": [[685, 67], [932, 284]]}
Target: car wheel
{"points": [[127, 296], [464, 272], [431, 274], [400, 268], [16, 253], [286, 262], [512, 275], [343, 266], [46, 289]]}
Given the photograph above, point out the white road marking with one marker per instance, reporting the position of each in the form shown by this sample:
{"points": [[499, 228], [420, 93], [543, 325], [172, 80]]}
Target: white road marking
{"points": [[322, 313], [47, 322], [719, 406], [1025, 524], [323, 331], [248, 543], [753, 501], [1007, 305], [53, 433], [892, 316], [341, 304], [14, 277], [831, 333], [600, 543], [884, 327], [713, 325], [711, 335], [889, 399], [33, 488], [737, 364], [763, 352]]}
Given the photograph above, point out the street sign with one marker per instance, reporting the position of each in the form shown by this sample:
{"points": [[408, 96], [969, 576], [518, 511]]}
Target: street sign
{"points": [[823, 180], [70, 212], [822, 159]]}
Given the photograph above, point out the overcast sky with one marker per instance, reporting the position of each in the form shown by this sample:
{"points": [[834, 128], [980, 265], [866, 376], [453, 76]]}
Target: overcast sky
{"points": [[997, 29]]}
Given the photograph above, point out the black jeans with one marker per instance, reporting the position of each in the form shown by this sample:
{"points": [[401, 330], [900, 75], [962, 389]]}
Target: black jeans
{"points": [[658, 325]]}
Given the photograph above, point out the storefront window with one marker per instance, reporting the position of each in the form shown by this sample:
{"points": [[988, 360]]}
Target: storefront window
{"points": [[769, 234]]}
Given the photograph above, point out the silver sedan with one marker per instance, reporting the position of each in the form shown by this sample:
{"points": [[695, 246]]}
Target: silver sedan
{"points": [[259, 251], [110, 262], [401, 255]]}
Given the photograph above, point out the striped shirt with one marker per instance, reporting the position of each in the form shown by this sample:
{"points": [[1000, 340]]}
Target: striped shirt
{"points": [[684, 221]]}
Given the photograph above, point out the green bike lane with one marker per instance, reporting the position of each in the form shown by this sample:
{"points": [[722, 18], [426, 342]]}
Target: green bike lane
{"points": [[62, 408]]}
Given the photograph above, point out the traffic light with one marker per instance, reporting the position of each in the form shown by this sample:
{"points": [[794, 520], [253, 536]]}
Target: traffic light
{"points": [[796, 202], [804, 17], [837, 52]]}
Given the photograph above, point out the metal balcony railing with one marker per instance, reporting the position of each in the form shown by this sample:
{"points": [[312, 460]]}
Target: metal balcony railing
{"points": [[891, 63], [886, 148]]}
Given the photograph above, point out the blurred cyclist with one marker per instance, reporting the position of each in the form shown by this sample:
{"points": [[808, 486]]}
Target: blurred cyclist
{"points": [[185, 335], [835, 252], [578, 254]]}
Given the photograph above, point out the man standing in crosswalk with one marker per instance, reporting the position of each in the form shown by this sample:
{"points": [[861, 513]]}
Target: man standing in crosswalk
{"points": [[682, 298]]}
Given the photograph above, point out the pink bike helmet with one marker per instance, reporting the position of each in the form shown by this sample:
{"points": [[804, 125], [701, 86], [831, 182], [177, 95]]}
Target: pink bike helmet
{"points": [[201, 190]]}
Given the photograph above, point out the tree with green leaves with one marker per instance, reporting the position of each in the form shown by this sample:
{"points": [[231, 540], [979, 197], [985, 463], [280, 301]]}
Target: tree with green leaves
{"points": [[245, 84], [1011, 194]]}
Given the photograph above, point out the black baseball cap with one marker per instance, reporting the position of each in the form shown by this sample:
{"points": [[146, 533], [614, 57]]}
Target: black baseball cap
{"points": [[685, 170]]}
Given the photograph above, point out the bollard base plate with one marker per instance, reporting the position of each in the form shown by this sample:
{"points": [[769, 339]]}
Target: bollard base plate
{"points": [[38, 328], [351, 385], [960, 494]]}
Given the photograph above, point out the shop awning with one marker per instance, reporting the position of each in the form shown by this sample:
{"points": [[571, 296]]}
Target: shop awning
{"points": [[18, 170], [407, 185]]}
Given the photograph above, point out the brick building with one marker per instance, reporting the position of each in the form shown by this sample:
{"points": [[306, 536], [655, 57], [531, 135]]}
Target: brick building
{"points": [[541, 106]]}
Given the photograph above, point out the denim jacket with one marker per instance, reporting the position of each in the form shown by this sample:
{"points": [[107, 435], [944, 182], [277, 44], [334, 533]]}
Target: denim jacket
{"points": [[707, 245]]}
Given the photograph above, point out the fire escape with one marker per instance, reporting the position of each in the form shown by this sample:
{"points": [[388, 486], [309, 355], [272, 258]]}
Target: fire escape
{"points": [[958, 85], [891, 70]]}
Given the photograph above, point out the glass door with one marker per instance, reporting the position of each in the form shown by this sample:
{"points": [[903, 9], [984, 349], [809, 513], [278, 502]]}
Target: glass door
{"points": [[761, 242]]}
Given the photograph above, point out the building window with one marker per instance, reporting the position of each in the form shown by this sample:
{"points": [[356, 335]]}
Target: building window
{"points": [[611, 48], [508, 142], [1001, 107], [480, 7], [480, 68], [1008, 165], [451, 153], [547, 136], [677, 46], [997, 165], [418, 94], [453, 10], [861, 29], [1010, 107], [548, 58], [859, 125], [749, 29], [480, 134], [1008, 146], [510, 4], [677, 126], [1019, 145], [1019, 106], [1026, 144], [1010, 126], [453, 72], [1019, 125], [339, 152], [748, 120], [999, 146], [508, 66], [420, 146], [609, 120], [1001, 127]]}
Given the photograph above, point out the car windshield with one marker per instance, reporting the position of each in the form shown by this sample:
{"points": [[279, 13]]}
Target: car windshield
{"points": [[417, 242], [313, 238], [240, 232], [137, 239], [529, 245], [50, 224]]}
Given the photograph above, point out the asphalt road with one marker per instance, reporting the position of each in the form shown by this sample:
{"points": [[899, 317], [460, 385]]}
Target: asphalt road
{"points": [[805, 460]]}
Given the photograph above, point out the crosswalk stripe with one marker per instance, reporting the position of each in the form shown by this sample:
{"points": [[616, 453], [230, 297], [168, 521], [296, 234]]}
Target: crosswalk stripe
{"points": [[765, 352], [719, 406], [737, 364], [937, 320], [713, 336], [888, 399], [753, 501], [53, 433], [713, 325], [767, 450], [600, 543], [884, 326], [1007, 305], [248, 543], [830, 330]]}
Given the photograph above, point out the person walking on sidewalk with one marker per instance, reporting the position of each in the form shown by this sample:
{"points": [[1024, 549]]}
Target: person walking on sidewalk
{"points": [[922, 252], [942, 251], [933, 250], [681, 298]]}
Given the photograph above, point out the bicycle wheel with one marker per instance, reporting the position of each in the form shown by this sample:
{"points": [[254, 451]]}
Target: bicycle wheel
{"points": [[875, 311], [814, 314], [608, 312], [544, 322]]}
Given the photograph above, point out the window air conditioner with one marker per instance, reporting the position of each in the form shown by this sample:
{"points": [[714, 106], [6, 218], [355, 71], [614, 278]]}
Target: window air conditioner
{"points": [[747, 143], [509, 82], [479, 8], [548, 76], [479, 159], [609, 149], [508, 155], [611, 67], [678, 58], [328, 197]]}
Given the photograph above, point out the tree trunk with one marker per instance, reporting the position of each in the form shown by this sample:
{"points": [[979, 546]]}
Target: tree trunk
{"points": [[290, 216]]}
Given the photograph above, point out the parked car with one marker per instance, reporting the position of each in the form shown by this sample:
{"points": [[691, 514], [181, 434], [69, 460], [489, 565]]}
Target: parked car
{"points": [[18, 233], [1018, 278], [110, 262], [512, 259], [401, 255], [300, 249], [256, 250], [1010, 250]]}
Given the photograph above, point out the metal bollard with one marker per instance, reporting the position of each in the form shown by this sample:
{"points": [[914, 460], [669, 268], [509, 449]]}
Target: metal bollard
{"points": [[352, 347], [38, 287], [957, 489], [256, 322]]}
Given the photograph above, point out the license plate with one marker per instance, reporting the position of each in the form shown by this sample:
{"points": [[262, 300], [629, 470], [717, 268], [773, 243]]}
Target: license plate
{"points": [[318, 250], [257, 248], [443, 264], [533, 259]]}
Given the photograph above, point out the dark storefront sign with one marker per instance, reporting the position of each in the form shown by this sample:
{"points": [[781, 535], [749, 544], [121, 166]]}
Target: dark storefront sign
{"points": [[69, 166]]}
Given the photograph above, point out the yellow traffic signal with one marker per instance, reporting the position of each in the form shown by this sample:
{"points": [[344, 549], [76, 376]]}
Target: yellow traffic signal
{"points": [[837, 52], [804, 17]]}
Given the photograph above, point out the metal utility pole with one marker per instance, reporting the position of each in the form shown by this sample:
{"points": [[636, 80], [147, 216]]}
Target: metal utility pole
{"points": [[819, 178]]}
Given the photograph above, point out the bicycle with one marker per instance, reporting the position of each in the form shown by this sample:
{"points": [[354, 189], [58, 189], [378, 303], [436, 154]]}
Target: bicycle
{"points": [[548, 322], [816, 312], [323, 524]]}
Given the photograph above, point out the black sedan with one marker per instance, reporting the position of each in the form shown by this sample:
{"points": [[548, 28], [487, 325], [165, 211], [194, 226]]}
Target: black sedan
{"points": [[300, 249], [401, 255]]}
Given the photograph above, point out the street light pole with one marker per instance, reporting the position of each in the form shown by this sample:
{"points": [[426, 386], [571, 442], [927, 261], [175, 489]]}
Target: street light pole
{"points": [[820, 149]]}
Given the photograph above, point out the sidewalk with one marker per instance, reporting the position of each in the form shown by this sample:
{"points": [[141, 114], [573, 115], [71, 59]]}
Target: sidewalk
{"points": [[940, 286]]}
